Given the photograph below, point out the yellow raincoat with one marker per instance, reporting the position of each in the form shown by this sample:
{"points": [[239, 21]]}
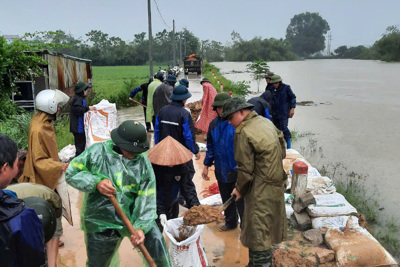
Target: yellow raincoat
{"points": [[259, 151], [42, 165]]}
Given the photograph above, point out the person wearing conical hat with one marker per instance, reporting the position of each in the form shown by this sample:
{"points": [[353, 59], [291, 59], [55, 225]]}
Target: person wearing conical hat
{"points": [[220, 153], [175, 121], [118, 167], [168, 158]]}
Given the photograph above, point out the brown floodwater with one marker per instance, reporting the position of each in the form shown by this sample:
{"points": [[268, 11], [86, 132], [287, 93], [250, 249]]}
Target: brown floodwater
{"points": [[355, 121], [222, 248]]}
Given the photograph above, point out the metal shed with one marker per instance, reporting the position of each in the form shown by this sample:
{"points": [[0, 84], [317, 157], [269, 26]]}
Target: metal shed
{"points": [[62, 72]]}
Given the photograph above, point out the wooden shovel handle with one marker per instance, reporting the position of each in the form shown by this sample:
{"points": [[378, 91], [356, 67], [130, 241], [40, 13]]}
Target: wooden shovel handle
{"points": [[137, 102], [132, 231]]}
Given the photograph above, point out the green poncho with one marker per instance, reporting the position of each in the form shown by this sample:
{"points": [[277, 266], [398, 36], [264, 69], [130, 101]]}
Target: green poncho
{"points": [[133, 179]]}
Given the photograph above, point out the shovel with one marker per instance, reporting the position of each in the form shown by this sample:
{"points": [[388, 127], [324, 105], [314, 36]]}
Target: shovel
{"points": [[132, 231], [227, 203]]}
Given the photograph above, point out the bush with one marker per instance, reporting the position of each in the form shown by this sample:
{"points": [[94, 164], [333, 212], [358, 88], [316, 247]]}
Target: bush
{"points": [[63, 136], [239, 88], [17, 128]]}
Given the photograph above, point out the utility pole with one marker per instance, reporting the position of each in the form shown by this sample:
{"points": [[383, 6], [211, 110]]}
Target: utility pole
{"points": [[180, 48], [329, 44], [150, 39], [173, 41]]}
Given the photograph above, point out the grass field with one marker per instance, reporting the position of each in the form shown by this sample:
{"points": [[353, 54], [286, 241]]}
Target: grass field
{"points": [[116, 83]]}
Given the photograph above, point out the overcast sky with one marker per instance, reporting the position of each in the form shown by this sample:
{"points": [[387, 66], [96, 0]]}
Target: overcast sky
{"points": [[352, 22]]}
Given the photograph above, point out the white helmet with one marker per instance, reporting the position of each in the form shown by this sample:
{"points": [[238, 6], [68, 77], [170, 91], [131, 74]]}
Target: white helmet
{"points": [[49, 100]]}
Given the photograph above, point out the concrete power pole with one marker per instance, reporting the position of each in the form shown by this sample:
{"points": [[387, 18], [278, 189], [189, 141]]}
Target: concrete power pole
{"points": [[150, 39], [329, 44], [173, 42]]}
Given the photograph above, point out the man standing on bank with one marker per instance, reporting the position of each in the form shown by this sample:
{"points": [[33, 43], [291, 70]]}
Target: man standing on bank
{"points": [[259, 151], [283, 105]]}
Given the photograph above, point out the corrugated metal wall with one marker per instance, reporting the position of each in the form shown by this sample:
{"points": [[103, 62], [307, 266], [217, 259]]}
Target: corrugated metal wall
{"points": [[64, 73]]}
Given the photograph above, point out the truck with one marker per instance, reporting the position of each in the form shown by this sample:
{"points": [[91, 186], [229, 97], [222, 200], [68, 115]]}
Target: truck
{"points": [[192, 63]]}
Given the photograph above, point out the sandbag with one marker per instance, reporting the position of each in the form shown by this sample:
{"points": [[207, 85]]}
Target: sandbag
{"points": [[189, 252], [338, 222], [330, 205], [67, 153], [357, 247], [320, 185], [100, 123], [62, 190]]}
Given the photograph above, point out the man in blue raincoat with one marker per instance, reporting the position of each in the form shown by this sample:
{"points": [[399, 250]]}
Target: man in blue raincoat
{"points": [[283, 105], [118, 167], [220, 152]]}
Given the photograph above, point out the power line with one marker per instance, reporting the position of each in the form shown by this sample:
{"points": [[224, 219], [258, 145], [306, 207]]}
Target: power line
{"points": [[161, 15]]}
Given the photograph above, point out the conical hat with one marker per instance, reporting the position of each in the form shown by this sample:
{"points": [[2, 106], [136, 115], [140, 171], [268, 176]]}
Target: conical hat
{"points": [[169, 152]]}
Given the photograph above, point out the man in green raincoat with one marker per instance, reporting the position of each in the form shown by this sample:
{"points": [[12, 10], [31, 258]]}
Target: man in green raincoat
{"points": [[118, 167], [259, 149]]}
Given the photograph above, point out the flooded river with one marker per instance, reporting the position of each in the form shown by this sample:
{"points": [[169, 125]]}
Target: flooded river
{"points": [[356, 125]]}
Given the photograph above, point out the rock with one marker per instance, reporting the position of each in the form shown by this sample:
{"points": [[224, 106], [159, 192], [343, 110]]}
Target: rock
{"points": [[307, 199], [292, 221], [314, 236], [303, 221], [325, 255], [303, 202], [297, 207]]}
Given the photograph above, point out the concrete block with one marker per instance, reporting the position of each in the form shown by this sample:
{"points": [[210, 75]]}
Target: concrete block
{"points": [[307, 199]]}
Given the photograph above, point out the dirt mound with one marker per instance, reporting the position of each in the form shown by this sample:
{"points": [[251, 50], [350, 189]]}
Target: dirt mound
{"points": [[287, 258], [195, 109], [202, 214]]}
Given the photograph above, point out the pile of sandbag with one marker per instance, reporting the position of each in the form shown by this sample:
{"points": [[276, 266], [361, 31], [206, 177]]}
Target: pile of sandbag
{"points": [[328, 212]]}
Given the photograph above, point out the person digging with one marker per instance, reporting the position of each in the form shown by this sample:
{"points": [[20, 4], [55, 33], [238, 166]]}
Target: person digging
{"points": [[118, 167], [220, 153]]}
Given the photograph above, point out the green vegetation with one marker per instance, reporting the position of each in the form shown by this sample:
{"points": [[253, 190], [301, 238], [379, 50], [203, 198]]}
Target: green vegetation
{"points": [[17, 128], [63, 136], [306, 33], [387, 48], [258, 69], [116, 83], [240, 88]]}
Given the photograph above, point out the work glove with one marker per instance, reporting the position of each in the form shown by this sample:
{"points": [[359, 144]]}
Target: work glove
{"points": [[163, 220]]}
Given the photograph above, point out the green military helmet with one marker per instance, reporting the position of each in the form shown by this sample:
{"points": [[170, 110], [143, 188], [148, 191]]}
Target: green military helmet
{"points": [[269, 75], [234, 104], [275, 79], [46, 214], [81, 86], [220, 99], [131, 136]]}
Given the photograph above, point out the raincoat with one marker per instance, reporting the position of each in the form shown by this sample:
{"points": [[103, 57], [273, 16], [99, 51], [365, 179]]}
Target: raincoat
{"points": [[21, 233], [42, 165], [259, 151], [150, 93], [162, 96], [134, 182], [207, 113]]}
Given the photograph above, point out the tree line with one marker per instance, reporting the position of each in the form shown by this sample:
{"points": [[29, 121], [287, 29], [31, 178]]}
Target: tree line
{"points": [[386, 49]]}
